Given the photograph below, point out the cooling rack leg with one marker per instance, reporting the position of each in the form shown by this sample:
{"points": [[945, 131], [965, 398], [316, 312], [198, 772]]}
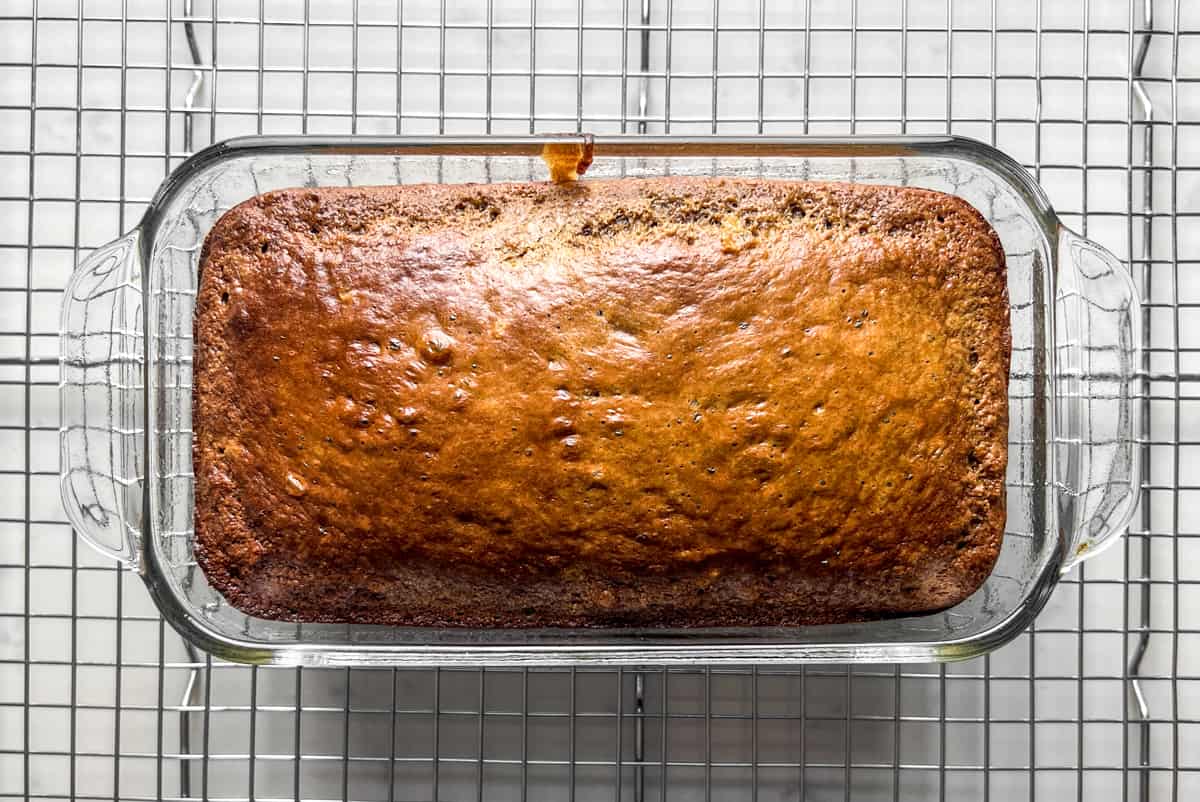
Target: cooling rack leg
{"points": [[639, 736], [193, 92], [191, 689], [1135, 664], [190, 698], [644, 63]]}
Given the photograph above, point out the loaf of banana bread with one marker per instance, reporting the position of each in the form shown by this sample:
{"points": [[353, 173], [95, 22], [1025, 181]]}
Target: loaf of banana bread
{"points": [[672, 402]]}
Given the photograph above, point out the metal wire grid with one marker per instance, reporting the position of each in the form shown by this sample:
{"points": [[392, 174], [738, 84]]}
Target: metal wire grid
{"points": [[99, 700]]}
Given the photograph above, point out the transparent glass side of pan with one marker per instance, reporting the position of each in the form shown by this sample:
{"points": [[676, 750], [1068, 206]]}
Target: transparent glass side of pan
{"points": [[126, 394]]}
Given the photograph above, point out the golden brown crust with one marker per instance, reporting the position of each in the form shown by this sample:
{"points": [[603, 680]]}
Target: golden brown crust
{"points": [[661, 402]]}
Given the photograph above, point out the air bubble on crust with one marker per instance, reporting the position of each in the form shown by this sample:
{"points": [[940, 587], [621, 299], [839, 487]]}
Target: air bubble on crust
{"points": [[570, 445], [295, 485], [437, 346]]}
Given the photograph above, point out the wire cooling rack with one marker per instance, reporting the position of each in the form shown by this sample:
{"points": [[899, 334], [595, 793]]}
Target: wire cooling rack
{"points": [[99, 100]]}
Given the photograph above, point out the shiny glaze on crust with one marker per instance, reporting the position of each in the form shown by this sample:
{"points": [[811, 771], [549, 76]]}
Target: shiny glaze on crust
{"points": [[661, 402]]}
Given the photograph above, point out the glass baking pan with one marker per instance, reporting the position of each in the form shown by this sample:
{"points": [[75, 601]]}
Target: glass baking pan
{"points": [[126, 439]]}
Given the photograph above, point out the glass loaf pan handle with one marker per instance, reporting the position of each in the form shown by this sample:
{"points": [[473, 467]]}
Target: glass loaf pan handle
{"points": [[101, 398], [1096, 369]]}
